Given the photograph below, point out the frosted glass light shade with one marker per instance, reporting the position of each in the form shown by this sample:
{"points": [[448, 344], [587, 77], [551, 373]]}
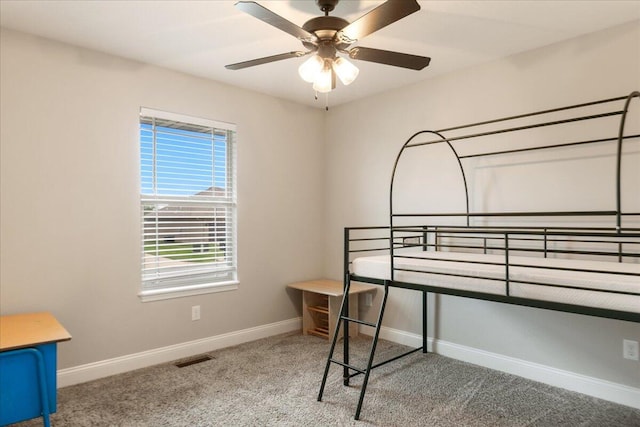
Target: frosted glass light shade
{"points": [[323, 84], [310, 68], [346, 71]]}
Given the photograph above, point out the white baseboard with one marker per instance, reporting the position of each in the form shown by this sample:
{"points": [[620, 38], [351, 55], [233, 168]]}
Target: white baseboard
{"points": [[590, 386], [595, 387], [118, 365]]}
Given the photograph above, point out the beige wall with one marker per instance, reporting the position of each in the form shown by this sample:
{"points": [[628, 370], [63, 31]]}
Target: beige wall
{"points": [[70, 209], [69, 153], [359, 164]]}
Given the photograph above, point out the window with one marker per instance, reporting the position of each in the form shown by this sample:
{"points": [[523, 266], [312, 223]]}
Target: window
{"points": [[187, 205]]}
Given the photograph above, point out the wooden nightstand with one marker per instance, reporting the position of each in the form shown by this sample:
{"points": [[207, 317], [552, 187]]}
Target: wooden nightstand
{"points": [[321, 305]]}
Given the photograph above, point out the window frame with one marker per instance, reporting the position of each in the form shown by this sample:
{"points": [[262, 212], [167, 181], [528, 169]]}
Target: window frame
{"points": [[160, 288]]}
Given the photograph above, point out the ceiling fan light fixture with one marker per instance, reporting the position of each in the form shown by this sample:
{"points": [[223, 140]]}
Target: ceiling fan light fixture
{"points": [[346, 71], [324, 81], [311, 68], [326, 36]]}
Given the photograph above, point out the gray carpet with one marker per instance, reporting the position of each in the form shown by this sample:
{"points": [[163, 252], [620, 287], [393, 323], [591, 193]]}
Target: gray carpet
{"points": [[275, 381]]}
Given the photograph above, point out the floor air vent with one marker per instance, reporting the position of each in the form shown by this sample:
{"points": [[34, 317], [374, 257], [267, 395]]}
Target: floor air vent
{"points": [[193, 361]]}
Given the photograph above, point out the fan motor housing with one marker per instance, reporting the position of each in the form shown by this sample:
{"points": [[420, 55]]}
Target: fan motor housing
{"points": [[324, 27]]}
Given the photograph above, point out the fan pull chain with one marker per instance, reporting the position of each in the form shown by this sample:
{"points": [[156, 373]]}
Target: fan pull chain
{"points": [[326, 100]]}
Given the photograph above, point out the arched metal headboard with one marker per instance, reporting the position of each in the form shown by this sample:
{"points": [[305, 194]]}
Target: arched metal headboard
{"points": [[441, 137], [621, 137], [453, 150]]}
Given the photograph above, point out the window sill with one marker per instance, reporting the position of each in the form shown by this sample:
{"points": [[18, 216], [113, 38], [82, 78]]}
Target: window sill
{"points": [[187, 291]]}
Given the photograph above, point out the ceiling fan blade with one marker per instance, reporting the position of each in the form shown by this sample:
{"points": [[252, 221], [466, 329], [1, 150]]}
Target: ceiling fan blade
{"points": [[383, 15], [387, 57], [265, 60], [271, 18]]}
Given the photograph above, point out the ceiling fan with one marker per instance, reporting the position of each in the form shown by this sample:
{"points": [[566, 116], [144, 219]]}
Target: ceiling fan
{"points": [[327, 36]]}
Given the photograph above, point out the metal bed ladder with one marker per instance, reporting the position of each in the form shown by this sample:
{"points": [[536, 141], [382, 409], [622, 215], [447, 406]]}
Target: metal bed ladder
{"points": [[347, 368]]}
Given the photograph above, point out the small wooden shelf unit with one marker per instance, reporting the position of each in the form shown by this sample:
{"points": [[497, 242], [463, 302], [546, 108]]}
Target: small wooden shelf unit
{"points": [[321, 301]]}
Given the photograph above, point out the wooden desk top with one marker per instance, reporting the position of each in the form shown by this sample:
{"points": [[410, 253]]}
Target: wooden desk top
{"points": [[330, 287], [30, 329]]}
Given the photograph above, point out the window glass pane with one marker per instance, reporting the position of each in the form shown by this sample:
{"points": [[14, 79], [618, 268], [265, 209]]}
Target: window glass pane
{"points": [[187, 204]]}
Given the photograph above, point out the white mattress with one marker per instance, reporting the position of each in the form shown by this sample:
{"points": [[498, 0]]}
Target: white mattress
{"points": [[521, 269]]}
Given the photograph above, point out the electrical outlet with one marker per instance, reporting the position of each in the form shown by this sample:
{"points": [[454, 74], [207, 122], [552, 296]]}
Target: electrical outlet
{"points": [[368, 299], [195, 312], [630, 349]]}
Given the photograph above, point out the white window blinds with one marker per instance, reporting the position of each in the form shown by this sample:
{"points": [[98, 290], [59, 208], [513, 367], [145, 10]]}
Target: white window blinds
{"points": [[188, 202]]}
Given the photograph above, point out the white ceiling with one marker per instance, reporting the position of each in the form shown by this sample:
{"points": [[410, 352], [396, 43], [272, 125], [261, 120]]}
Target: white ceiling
{"points": [[200, 37]]}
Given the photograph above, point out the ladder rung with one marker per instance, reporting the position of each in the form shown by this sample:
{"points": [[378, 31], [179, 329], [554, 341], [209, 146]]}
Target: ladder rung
{"points": [[362, 322], [347, 365]]}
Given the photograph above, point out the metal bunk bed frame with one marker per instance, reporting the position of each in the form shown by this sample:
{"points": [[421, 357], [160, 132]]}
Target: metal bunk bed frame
{"points": [[358, 240]]}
